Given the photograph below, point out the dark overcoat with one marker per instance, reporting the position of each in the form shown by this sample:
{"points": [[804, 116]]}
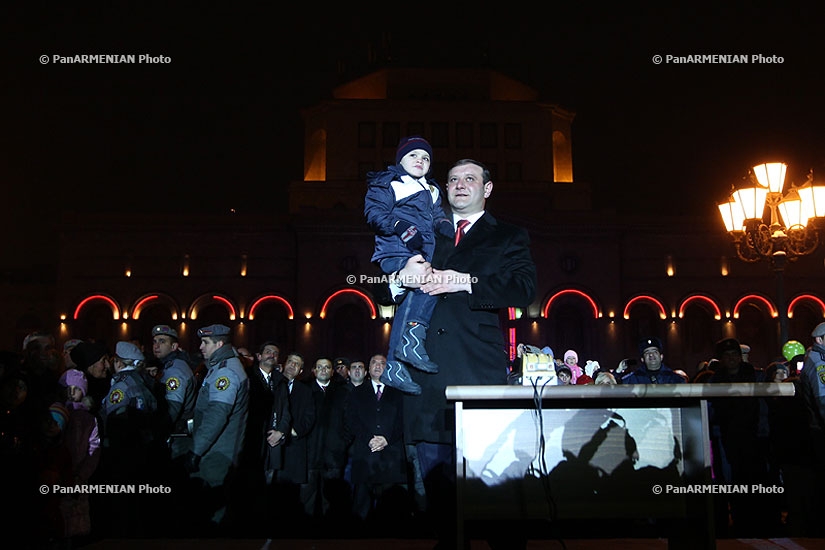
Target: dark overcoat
{"points": [[465, 337], [367, 416]]}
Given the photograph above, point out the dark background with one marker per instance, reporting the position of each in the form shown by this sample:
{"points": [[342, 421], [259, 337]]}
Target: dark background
{"points": [[219, 127]]}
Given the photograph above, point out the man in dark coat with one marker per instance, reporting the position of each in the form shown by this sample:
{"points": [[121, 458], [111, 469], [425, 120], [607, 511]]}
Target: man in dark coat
{"points": [[327, 446], [294, 471], [490, 268], [375, 423], [269, 419], [738, 458], [266, 428]]}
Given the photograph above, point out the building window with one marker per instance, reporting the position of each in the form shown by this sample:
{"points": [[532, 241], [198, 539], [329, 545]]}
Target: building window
{"points": [[441, 134], [489, 135], [391, 134], [366, 134], [513, 171], [512, 136], [415, 129], [464, 135]]}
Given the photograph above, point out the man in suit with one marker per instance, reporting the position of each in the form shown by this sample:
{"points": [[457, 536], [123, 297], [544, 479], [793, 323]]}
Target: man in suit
{"points": [[486, 268], [327, 447], [296, 454], [375, 423], [267, 425]]}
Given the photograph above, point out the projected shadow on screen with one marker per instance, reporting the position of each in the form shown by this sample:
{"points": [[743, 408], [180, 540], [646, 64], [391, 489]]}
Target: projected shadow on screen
{"points": [[581, 459]]}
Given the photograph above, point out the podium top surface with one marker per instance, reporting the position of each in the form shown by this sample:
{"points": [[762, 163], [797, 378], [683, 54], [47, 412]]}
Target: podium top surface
{"points": [[622, 391]]}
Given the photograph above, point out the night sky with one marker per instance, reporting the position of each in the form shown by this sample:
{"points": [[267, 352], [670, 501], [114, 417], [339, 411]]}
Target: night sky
{"points": [[220, 126]]}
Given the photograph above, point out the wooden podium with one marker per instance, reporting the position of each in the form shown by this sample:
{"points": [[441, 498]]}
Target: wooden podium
{"points": [[558, 461]]}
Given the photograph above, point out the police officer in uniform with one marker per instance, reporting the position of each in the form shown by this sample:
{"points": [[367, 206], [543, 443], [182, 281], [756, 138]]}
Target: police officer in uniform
{"points": [[130, 423], [129, 407], [179, 386], [220, 421]]}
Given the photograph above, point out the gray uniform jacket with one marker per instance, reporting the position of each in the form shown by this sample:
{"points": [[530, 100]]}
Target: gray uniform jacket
{"points": [[220, 416]]}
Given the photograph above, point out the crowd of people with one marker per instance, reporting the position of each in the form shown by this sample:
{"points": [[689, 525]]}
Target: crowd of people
{"points": [[222, 439], [239, 436]]}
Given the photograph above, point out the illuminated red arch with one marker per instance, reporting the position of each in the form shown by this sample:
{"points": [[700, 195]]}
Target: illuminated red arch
{"points": [[103, 297], [802, 297], [594, 307], [700, 298], [227, 303], [358, 293], [268, 298], [644, 298], [141, 304], [755, 298], [196, 305]]}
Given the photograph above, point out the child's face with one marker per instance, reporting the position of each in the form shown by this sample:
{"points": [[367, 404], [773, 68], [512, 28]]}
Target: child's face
{"points": [[75, 394], [416, 162]]}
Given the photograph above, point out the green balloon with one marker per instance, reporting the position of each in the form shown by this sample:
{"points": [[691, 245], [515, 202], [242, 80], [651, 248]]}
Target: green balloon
{"points": [[791, 349]]}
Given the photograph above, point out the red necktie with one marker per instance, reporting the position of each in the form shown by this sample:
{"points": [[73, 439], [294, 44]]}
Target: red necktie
{"points": [[378, 393], [459, 233]]}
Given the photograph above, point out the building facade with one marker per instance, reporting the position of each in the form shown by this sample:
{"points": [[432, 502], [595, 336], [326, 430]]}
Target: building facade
{"points": [[605, 279]]}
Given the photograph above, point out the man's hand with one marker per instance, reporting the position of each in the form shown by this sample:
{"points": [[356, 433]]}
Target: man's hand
{"points": [[378, 443], [410, 235], [274, 438], [443, 282], [415, 272]]}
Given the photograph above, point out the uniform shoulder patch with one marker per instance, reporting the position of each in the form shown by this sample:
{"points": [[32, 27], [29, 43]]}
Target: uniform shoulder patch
{"points": [[116, 397], [172, 383], [222, 383], [820, 370]]}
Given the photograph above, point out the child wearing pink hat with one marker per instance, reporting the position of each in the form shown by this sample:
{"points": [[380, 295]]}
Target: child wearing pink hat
{"points": [[82, 437], [82, 434], [571, 359]]}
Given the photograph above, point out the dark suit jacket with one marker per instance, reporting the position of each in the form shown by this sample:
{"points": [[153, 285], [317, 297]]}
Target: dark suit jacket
{"points": [[327, 445], [465, 337], [296, 456], [367, 417], [265, 404]]}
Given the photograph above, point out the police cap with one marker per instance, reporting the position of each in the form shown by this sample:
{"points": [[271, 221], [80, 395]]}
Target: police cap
{"points": [[214, 330], [164, 330]]}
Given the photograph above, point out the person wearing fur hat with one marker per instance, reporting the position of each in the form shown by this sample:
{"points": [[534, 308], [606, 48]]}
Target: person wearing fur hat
{"points": [[403, 208]]}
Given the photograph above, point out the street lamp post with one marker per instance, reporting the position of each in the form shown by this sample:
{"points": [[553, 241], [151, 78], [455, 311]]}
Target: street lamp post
{"points": [[793, 230]]}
